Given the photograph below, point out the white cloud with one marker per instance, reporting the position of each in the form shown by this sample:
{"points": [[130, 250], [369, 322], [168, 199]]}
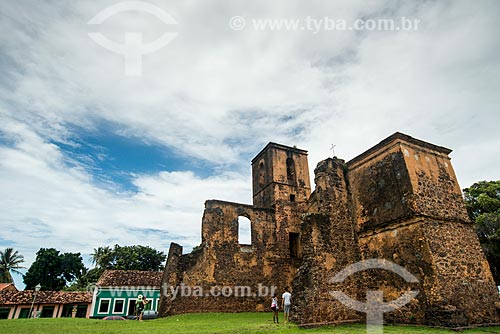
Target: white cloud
{"points": [[219, 95], [48, 204]]}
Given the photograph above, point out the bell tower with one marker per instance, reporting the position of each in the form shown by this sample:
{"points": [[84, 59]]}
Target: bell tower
{"points": [[280, 173]]}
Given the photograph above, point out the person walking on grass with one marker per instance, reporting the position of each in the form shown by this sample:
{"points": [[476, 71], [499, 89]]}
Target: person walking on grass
{"points": [[287, 304], [274, 307], [139, 306], [145, 302]]}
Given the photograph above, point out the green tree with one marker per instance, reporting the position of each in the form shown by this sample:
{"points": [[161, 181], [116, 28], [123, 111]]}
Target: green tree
{"points": [[53, 270], [483, 205], [102, 257], [128, 258], [10, 260], [88, 278], [119, 258]]}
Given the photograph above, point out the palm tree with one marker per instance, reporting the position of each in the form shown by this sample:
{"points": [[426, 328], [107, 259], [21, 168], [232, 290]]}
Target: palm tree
{"points": [[102, 257], [10, 260]]}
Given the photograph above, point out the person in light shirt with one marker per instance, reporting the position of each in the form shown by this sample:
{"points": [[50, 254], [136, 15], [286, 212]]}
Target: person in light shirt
{"points": [[287, 304]]}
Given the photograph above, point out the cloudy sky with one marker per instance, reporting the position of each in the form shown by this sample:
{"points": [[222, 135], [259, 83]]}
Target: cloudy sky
{"points": [[92, 156]]}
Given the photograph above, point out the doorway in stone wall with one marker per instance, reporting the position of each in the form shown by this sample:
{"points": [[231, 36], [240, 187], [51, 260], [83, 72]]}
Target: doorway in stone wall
{"points": [[294, 240]]}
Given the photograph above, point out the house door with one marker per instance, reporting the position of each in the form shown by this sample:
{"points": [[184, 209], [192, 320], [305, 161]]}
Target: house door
{"points": [[131, 307]]}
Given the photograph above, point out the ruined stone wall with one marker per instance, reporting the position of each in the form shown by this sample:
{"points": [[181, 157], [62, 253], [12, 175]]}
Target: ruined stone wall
{"points": [[170, 278], [409, 210], [464, 283], [398, 201], [381, 188], [435, 190], [324, 254], [329, 245], [454, 281], [288, 220], [221, 261], [406, 245]]}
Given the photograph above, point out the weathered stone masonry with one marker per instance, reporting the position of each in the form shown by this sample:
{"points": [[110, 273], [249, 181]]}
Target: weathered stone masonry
{"points": [[398, 201]]}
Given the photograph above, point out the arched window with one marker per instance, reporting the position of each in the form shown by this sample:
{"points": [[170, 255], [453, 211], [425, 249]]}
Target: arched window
{"points": [[290, 171], [244, 231], [261, 174]]}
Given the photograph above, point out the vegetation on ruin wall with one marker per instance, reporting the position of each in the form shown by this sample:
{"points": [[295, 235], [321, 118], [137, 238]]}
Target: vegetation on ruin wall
{"points": [[197, 323]]}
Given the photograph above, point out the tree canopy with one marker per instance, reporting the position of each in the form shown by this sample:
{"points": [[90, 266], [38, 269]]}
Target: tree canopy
{"points": [[53, 270], [10, 260], [483, 205], [120, 258], [135, 257]]}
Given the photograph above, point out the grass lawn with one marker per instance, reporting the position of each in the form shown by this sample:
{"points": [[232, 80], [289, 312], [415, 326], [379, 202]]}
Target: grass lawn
{"points": [[196, 323]]}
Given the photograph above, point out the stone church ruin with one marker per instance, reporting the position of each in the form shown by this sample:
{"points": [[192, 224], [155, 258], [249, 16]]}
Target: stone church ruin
{"points": [[399, 201]]}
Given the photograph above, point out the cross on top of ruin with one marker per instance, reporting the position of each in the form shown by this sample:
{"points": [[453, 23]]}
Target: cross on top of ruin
{"points": [[333, 150]]}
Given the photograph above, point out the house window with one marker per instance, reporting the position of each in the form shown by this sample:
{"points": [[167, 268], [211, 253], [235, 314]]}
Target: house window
{"points": [[118, 305], [294, 244], [4, 313], [25, 312], [292, 197], [104, 305], [244, 231], [81, 310]]}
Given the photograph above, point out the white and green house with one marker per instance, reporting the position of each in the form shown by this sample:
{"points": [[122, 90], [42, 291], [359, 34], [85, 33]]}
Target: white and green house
{"points": [[116, 292]]}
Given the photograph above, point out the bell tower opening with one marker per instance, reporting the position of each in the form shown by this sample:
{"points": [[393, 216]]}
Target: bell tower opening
{"points": [[262, 177], [290, 171]]}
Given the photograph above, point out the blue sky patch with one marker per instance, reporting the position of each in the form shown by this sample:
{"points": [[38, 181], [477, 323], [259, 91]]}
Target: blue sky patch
{"points": [[116, 159]]}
